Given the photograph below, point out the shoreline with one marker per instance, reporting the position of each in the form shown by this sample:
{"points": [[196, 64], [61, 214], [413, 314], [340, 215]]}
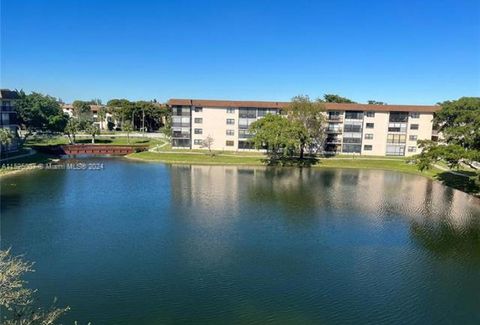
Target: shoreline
{"points": [[366, 163], [448, 178]]}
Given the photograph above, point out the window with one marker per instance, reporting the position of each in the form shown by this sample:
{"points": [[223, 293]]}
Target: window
{"points": [[229, 143], [352, 115], [245, 145], [413, 126], [352, 128], [369, 136], [412, 149], [367, 147], [248, 113], [352, 140], [412, 138], [352, 148], [198, 120], [198, 141], [244, 134], [198, 109], [230, 132], [396, 138], [393, 150], [397, 127], [198, 131], [230, 121], [370, 114], [414, 115], [398, 117], [370, 125], [230, 110]]}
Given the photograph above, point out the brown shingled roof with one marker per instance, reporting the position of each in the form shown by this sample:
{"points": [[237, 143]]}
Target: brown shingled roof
{"points": [[328, 106]]}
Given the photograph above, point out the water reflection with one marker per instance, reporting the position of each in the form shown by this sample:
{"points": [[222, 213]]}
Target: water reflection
{"points": [[441, 219]]}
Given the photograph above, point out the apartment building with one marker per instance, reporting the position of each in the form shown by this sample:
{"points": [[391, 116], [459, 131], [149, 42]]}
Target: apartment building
{"points": [[101, 123], [380, 130], [9, 120]]}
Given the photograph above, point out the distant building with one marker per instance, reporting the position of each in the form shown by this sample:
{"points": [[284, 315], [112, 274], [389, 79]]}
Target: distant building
{"points": [[9, 119], [380, 130], [102, 124]]}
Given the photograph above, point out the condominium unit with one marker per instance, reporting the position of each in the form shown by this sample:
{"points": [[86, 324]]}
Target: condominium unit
{"points": [[9, 120], [382, 130]]}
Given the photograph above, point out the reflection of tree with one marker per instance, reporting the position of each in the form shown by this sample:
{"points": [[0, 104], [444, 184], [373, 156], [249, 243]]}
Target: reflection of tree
{"points": [[295, 190], [443, 238]]}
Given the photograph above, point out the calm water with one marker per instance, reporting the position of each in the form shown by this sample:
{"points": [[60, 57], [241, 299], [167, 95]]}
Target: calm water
{"points": [[139, 243]]}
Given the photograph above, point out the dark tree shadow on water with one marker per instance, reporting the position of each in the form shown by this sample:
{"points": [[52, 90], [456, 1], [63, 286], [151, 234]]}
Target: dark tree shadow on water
{"points": [[445, 239], [290, 161], [469, 184]]}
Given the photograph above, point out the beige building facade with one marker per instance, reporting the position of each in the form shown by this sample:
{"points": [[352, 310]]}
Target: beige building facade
{"points": [[363, 129]]}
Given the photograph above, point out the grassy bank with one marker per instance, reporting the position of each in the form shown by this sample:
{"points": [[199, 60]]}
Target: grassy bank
{"points": [[24, 164], [198, 158]]}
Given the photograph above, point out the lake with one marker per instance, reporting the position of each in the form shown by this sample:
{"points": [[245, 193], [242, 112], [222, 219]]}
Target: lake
{"points": [[141, 243]]}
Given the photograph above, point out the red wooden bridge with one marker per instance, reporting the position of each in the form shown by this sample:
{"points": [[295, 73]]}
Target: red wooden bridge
{"points": [[87, 149]]}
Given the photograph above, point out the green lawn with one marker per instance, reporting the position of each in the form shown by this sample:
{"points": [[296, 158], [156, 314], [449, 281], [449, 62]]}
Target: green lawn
{"points": [[198, 158], [102, 139]]}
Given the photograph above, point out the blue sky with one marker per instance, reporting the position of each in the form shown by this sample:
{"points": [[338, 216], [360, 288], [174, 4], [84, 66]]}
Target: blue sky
{"points": [[401, 52]]}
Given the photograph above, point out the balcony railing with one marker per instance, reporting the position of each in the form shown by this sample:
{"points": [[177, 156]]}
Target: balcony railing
{"points": [[336, 131], [333, 141], [335, 119], [181, 135]]}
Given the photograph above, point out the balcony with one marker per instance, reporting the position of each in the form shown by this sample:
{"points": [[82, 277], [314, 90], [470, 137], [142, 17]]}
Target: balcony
{"points": [[335, 119], [333, 131], [333, 141], [181, 135]]}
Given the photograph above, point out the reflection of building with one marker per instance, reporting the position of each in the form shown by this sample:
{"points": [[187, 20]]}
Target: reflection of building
{"points": [[391, 130], [216, 194], [9, 120]]}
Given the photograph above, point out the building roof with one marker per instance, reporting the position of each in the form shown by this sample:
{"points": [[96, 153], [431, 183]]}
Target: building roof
{"points": [[8, 94], [328, 106]]}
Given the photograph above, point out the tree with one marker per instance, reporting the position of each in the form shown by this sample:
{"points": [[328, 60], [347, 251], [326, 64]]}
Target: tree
{"points": [[309, 114], [92, 129], [331, 98], [207, 143], [152, 115], [16, 300], [128, 127], [39, 112], [101, 115], [459, 122], [5, 136], [82, 110], [280, 136], [71, 129]]}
